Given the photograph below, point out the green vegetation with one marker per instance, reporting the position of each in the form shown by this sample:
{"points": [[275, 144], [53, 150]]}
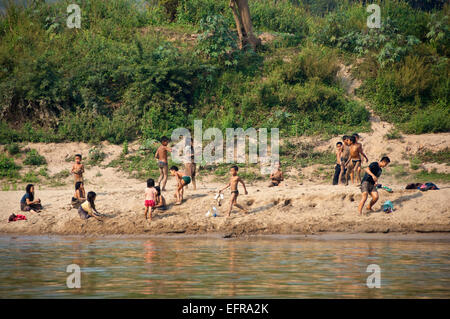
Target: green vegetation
{"points": [[303, 154], [30, 177], [96, 155], [34, 158], [432, 176], [13, 148], [125, 148], [62, 174], [134, 71], [8, 168], [435, 157], [393, 134]]}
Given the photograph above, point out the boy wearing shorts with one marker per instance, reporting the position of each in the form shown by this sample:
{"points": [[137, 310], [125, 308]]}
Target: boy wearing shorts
{"points": [[369, 181]]}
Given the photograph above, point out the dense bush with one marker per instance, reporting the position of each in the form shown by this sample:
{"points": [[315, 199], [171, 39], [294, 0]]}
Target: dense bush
{"points": [[13, 148], [34, 158], [217, 41], [7, 167], [130, 72]]}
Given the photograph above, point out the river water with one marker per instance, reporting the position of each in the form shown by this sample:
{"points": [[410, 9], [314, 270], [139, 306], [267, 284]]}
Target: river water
{"points": [[200, 267]]}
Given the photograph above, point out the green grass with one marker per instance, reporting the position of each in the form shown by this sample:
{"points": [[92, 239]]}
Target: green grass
{"points": [[393, 134], [8, 168], [415, 162], [30, 177], [441, 157], [303, 154], [61, 175], [432, 176]]}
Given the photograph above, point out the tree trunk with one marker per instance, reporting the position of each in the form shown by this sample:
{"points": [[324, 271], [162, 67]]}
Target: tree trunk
{"points": [[241, 14], [237, 20]]}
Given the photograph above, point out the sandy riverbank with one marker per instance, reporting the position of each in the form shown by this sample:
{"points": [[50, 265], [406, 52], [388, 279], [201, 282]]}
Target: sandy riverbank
{"points": [[293, 209]]}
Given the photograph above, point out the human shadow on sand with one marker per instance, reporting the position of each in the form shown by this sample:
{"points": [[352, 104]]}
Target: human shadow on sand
{"points": [[402, 199], [261, 208]]}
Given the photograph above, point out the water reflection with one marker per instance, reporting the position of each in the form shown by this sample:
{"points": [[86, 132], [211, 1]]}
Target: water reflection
{"points": [[215, 268]]}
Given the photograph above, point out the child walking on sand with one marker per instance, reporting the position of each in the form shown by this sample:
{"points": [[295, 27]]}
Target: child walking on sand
{"points": [[233, 184], [87, 209], [182, 181], [276, 177], [161, 157], [369, 181], [150, 197], [78, 169]]}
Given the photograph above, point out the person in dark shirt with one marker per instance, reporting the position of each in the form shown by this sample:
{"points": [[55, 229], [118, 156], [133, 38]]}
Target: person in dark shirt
{"points": [[28, 202], [370, 179]]}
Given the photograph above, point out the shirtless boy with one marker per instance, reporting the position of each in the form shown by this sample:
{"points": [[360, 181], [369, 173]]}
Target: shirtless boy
{"points": [[358, 167], [78, 169], [182, 181], [161, 157], [354, 161], [345, 154], [276, 177], [233, 184]]}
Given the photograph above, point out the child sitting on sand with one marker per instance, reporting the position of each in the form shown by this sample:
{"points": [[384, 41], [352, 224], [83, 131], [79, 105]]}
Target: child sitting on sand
{"points": [[78, 169], [28, 202], [277, 175], [80, 195], [182, 181], [233, 184], [161, 157], [160, 200], [87, 209], [150, 197], [369, 181]]}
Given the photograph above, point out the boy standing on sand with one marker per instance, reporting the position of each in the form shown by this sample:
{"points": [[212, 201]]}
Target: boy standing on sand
{"points": [[189, 165], [355, 158], [370, 179], [182, 181], [345, 154], [78, 169], [337, 168], [150, 197], [233, 184], [161, 157], [358, 167]]}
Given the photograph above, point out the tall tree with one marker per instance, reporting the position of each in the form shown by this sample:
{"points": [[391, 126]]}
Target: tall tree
{"points": [[241, 14]]}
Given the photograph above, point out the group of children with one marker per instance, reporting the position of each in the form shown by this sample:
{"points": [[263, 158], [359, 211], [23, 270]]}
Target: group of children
{"points": [[349, 155]]}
